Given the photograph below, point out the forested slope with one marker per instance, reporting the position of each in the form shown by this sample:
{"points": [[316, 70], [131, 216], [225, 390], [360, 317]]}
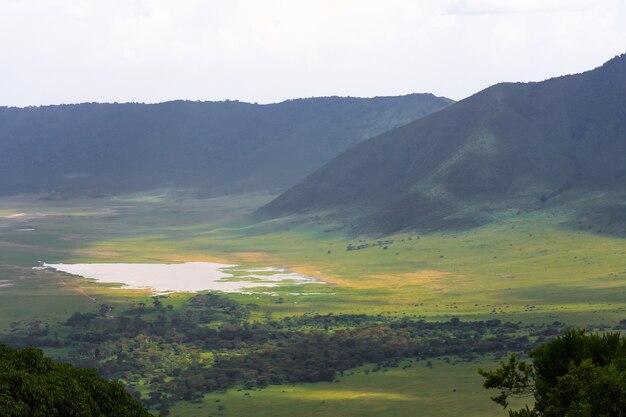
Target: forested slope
{"points": [[212, 147]]}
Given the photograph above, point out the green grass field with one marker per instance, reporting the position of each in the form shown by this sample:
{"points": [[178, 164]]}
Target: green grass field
{"points": [[532, 268], [448, 388], [528, 268]]}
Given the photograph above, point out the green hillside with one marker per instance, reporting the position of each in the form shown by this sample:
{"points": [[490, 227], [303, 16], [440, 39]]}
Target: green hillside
{"points": [[212, 147], [511, 148]]}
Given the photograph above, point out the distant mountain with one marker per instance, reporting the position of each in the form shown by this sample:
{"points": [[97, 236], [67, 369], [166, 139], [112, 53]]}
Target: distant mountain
{"points": [[511, 147], [213, 147]]}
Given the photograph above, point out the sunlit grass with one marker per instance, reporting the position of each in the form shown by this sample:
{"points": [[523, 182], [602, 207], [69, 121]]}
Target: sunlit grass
{"points": [[445, 390], [529, 266], [526, 268]]}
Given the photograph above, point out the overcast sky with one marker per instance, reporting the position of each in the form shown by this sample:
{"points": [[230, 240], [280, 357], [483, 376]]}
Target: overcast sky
{"points": [[56, 51]]}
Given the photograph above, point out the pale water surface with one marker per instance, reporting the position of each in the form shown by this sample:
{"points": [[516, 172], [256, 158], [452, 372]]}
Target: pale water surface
{"points": [[183, 277]]}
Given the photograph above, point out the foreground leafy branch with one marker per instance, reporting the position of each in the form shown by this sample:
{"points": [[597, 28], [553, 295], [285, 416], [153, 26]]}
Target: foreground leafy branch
{"points": [[575, 375], [514, 378]]}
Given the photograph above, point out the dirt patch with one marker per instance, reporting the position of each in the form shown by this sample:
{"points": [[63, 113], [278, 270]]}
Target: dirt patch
{"points": [[11, 215], [22, 246], [11, 245], [77, 290]]}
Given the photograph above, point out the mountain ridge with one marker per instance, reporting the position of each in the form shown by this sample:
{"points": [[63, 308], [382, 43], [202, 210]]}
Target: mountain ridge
{"points": [[512, 146], [214, 147]]}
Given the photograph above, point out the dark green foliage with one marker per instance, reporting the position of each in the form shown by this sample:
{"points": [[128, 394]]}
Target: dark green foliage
{"points": [[209, 344], [209, 147], [512, 146], [575, 375], [32, 385], [514, 379]]}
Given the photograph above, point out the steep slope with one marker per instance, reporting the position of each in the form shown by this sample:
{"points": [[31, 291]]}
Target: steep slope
{"points": [[215, 147], [513, 146]]}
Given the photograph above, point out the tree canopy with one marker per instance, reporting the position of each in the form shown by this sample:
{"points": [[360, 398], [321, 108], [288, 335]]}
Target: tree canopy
{"points": [[575, 375], [32, 385]]}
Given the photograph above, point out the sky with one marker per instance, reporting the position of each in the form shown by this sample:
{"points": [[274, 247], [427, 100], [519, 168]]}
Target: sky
{"points": [[72, 51]]}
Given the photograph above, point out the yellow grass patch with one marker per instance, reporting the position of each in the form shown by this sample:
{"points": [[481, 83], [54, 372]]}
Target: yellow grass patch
{"points": [[423, 277], [314, 272], [178, 258], [427, 277], [342, 394], [97, 253]]}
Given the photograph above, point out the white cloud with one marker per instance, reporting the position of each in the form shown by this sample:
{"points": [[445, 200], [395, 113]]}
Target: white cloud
{"points": [[520, 6], [153, 50]]}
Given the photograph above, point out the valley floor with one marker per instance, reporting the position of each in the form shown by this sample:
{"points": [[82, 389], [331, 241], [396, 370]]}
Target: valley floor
{"points": [[530, 268], [449, 388]]}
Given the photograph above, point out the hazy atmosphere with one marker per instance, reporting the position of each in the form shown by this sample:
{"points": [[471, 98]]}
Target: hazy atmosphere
{"points": [[354, 208], [72, 51]]}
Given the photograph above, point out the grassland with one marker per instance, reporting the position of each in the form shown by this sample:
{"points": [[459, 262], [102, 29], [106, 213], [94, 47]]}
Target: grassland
{"points": [[418, 390], [529, 267], [533, 268]]}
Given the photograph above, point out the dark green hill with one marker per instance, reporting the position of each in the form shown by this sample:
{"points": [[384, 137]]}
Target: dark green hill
{"points": [[214, 147], [511, 147]]}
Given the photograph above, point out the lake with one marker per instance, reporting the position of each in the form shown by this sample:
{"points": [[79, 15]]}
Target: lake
{"points": [[183, 277]]}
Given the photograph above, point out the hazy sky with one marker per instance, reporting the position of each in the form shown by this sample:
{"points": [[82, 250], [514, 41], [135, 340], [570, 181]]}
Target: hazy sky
{"points": [[56, 51]]}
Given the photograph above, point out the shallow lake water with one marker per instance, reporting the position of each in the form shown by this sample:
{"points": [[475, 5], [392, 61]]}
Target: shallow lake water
{"points": [[183, 277]]}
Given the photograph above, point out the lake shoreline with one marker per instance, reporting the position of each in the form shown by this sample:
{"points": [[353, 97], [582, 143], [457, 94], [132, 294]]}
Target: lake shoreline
{"points": [[181, 277]]}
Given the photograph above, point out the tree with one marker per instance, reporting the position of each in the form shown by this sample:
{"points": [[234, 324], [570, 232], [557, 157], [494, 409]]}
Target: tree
{"points": [[575, 375], [32, 385], [105, 309]]}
